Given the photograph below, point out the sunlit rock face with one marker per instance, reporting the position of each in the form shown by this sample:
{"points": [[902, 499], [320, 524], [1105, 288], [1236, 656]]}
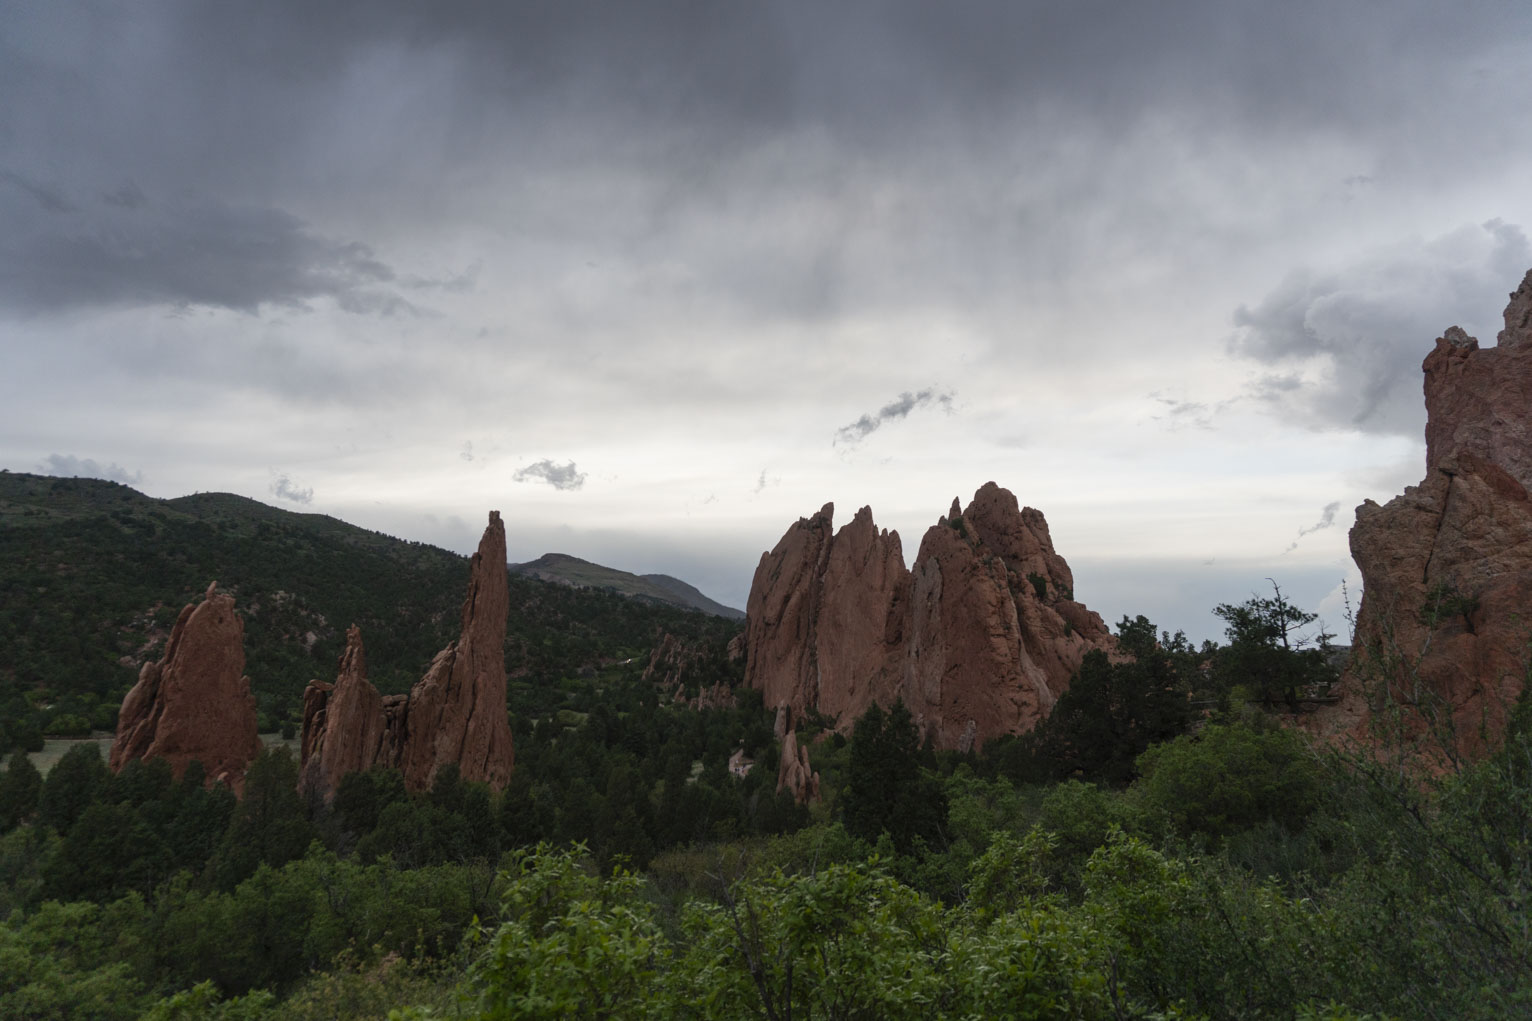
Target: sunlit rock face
{"points": [[979, 637], [1446, 612], [195, 702], [454, 714]]}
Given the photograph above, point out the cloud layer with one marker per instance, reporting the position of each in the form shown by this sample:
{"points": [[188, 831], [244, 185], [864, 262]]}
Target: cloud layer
{"points": [[1344, 346]]}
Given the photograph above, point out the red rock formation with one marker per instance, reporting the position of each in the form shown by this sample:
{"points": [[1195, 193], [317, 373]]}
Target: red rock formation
{"points": [[1447, 566], [965, 679], [195, 703], [793, 772], [965, 637], [781, 615], [859, 632], [343, 726], [456, 713]]}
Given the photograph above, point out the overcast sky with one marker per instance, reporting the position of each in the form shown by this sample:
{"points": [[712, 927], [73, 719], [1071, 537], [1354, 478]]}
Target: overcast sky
{"points": [[656, 279]]}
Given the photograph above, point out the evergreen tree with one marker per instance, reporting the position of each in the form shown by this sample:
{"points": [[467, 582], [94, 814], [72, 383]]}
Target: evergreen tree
{"points": [[886, 789], [20, 787], [73, 783], [269, 826]]}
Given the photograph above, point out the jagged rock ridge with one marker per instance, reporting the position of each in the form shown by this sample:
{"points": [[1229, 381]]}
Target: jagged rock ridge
{"points": [[194, 704], [979, 637], [1446, 567], [454, 714]]}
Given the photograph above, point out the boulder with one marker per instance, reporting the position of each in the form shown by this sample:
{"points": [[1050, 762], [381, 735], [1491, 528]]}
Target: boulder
{"points": [[195, 702]]}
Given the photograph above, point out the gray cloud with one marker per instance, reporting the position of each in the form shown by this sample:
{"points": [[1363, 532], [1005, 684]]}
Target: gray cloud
{"points": [[69, 466], [563, 477], [46, 198], [1346, 344], [284, 488], [1326, 520], [896, 409], [129, 251]]}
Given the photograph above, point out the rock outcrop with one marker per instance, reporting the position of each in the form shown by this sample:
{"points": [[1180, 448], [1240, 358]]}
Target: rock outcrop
{"points": [[783, 611], [195, 702], [794, 773], [454, 714], [344, 730], [979, 637], [1446, 610]]}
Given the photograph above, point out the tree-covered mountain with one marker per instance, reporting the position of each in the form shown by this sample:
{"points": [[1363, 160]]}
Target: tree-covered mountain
{"points": [[93, 574]]}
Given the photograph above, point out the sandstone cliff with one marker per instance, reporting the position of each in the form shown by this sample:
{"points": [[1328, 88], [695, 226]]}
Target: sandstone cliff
{"points": [[979, 637], [195, 703], [1444, 623], [455, 713]]}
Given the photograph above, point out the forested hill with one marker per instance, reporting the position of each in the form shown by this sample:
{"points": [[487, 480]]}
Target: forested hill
{"points": [[94, 573]]}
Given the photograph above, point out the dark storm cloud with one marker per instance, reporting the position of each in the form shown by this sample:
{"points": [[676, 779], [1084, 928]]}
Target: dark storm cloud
{"points": [[899, 408], [284, 488], [563, 477], [130, 251], [866, 65], [69, 466], [376, 108], [1364, 329]]}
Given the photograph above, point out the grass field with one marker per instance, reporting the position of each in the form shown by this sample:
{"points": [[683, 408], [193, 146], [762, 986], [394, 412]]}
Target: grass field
{"points": [[54, 749]]}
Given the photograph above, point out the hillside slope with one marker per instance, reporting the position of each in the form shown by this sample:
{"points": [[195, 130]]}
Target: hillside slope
{"points": [[93, 573], [660, 588]]}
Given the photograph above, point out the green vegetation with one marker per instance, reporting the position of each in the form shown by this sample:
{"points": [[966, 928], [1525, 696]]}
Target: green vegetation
{"points": [[94, 574], [1159, 847]]}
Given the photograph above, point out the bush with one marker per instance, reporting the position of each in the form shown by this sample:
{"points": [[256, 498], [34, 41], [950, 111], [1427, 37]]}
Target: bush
{"points": [[1228, 779]]}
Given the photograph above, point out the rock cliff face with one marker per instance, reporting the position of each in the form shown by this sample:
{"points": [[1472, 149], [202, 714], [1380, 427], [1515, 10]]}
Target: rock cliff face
{"points": [[343, 725], [456, 713], [979, 637], [1447, 567], [195, 703], [783, 611], [860, 631]]}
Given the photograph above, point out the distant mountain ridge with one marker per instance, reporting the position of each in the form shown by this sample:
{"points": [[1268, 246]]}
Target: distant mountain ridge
{"points": [[661, 588]]}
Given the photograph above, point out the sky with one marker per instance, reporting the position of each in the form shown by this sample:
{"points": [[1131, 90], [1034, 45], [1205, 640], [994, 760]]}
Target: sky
{"points": [[655, 280]]}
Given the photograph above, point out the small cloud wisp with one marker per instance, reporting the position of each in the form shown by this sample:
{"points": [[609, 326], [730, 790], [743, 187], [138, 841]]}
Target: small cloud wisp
{"points": [[562, 477]]}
